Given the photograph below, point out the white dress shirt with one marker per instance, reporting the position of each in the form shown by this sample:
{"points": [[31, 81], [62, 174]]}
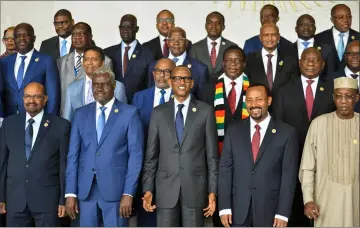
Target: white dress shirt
{"points": [[348, 74], [86, 88], [68, 44], [337, 38], [263, 127], [157, 95], [184, 110], [238, 87], [181, 58], [313, 85], [161, 38], [18, 62], [210, 46], [273, 60], [36, 125], [301, 46]]}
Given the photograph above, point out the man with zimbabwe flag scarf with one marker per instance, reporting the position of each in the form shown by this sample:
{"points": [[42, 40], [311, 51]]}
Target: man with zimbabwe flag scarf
{"points": [[227, 96]]}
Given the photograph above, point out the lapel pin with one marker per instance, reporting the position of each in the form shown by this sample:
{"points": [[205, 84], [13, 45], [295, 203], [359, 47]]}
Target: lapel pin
{"points": [[134, 56], [47, 121], [355, 141], [321, 88], [172, 96], [223, 43], [189, 66], [281, 63], [319, 48], [116, 110], [194, 109], [353, 37], [37, 60], [46, 124], [273, 131]]}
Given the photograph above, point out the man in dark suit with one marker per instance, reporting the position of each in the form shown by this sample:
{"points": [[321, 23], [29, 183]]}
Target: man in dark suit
{"points": [[268, 14], [177, 43], [130, 59], [338, 36], [165, 21], [59, 45], [211, 49], [299, 102], [33, 151], [181, 158], [257, 172], [28, 65]]}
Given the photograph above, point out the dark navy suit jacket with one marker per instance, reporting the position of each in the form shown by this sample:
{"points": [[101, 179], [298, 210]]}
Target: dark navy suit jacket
{"points": [[254, 44]]}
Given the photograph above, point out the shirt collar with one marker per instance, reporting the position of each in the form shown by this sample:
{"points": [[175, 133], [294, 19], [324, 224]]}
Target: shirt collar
{"points": [[336, 32], [68, 39], [238, 81], [349, 72], [161, 37], [304, 79], [36, 118], [185, 103], [87, 79], [264, 52], [209, 41], [132, 45], [28, 55], [263, 124], [180, 57], [157, 90], [300, 41], [107, 105]]}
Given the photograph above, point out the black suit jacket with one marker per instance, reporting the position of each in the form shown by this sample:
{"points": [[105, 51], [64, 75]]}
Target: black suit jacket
{"points": [[39, 181], [271, 178], [154, 46], [51, 47], [326, 37], [136, 74]]}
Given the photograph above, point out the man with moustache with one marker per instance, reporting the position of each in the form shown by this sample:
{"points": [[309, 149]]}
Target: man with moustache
{"points": [[27, 66], [329, 170], [298, 102], [338, 36], [60, 45], [165, 21], [181, 161], [33, 151], [130, 59], [9, 42], [257, 172]]}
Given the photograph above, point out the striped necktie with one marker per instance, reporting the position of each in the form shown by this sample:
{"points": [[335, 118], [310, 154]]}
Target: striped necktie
{"points": [[78, 65]]}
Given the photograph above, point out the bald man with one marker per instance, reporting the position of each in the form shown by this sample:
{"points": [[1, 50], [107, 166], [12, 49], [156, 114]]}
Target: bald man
{"points": [[33, 153]]}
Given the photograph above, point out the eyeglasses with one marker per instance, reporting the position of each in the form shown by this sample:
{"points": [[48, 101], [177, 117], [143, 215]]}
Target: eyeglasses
{"points": [[176, 40], [346, 97], [8, 38], [166, 72], [126, 27], [353, 54], [166, 20], [340, 18], [36, 97], [60, 23], [178, 79]]}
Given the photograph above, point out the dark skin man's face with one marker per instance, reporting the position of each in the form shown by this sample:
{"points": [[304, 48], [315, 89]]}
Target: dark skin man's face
{"points": [[269, 37], [181, 87], [214, 26], [342, 19], [103, 88], [63, 25], [352, 56], [128, 29], [34, 99], [81, 38], [24, 39], [345, 99], [311, 63], [164, 23], [234, 64], [162, 73], [92, 62], [268, 15], [177, 43], [305, 28], [257, 103]]}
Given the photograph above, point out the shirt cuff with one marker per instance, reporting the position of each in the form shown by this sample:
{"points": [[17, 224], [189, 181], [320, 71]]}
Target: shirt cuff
{"points": [[225, 212], [127, 195], [70, 195], [282, 218]]}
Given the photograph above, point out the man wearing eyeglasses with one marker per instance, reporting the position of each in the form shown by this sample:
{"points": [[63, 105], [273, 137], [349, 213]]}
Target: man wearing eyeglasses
{"points": [[9, 42], [59, 45], [338, 36], [181, 160], [165, 21]]}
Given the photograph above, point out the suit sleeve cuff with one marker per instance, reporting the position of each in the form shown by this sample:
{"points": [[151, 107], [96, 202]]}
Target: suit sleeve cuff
{"points": [[282, 218], [70, 195], [127, 195], [225, 212]]}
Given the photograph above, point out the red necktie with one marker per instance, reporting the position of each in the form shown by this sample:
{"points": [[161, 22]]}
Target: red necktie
{"points": [[165, 49], [255, 143], [269, 72], [213, 54], [309, 98], [232, 97], [125, 60]]}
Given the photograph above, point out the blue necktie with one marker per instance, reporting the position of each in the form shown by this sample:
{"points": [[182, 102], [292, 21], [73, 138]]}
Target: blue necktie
{"points": [[28, 138], [179, 123], [175, 60], [306, 44], [21, 71], [162, 98], [63, 50], [341, 47], [101, 123]]}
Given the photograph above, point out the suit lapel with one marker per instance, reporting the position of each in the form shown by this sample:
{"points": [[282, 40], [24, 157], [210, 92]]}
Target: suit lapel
{"points": [[32, 65], [320, 96], [269, 135], [57, 48], [170, 118], [19, 128], [11, 70], [149, 100], [136, 54], [190, 117], [219, 55], [279, 66], [246, 138], [81, 92], [44, 127], [299, 97], [110, 122], [261, 68], [205, 52], [70, 65]]}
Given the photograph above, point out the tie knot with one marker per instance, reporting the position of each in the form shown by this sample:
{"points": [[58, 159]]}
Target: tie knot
{"points": [[102, 108], [214, 44], [64, 42], [269, 56], [257, 127], [354, 76], [31, 121], [306, 43], [162, 91], [23, 57], [309, 82], [175, 59], [341, 35], [127, 48], [180, 106], [233, 83]]}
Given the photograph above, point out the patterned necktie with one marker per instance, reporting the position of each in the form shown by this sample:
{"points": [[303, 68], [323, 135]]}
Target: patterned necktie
{"points": [[340, 46], [232, 97], [213, 54], [306, 44], [179, 123], [78, 65], [255, 142], [269, 72], [21, 71], [89, 96], [101, 123], [165, 49], [309, 98], [63, 50], [354, 76], [29, 131], [162, 98], [126, 60], [175, 60]]}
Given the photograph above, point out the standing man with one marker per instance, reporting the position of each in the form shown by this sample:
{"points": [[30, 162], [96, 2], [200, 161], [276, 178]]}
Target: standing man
{"points": [[59, 45], [33, 151], [9, 42], [158, 46], [329, 170], [181, 161], [130, 59], [211, 49], [28, 65], [257, 174], [298, 102], [105, 158]]}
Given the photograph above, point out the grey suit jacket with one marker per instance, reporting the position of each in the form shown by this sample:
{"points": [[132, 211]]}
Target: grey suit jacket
{"points": [[191, 166], [200, 51], [66, 65]]}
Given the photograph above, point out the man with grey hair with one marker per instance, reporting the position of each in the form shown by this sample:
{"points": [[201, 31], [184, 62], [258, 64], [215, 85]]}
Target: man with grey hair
{"points": [[79, 92]]}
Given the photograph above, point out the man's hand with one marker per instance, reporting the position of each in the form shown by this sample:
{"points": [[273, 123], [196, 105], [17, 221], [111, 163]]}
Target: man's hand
{"points": [[72, 207], [226, 220], [125, 206], [311, 210], [61, 211], [279, 223], [212, 205], [2, 208], [147, 200]]}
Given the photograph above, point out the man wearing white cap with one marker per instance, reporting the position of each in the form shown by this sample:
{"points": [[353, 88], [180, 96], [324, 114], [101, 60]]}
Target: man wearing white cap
{"points": [[329, 170]]}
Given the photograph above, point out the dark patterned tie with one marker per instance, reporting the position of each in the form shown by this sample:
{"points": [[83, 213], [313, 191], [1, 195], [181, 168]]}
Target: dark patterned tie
{"points": [[354, 76], [179, 123], [269, 72], [125, 60], [255, 143], [29, 131]]}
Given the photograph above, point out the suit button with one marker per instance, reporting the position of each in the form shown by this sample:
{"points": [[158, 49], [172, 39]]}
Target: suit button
{"points": [[27, 181], [93, 169], [181, 168], [27, 166], [97, 153], [253, 173]]}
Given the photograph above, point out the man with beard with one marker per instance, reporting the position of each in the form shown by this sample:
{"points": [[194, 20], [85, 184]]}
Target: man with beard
{"points": [[258, 167], [33, 152], [329, 170], [9, 42], [59, 45]]}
